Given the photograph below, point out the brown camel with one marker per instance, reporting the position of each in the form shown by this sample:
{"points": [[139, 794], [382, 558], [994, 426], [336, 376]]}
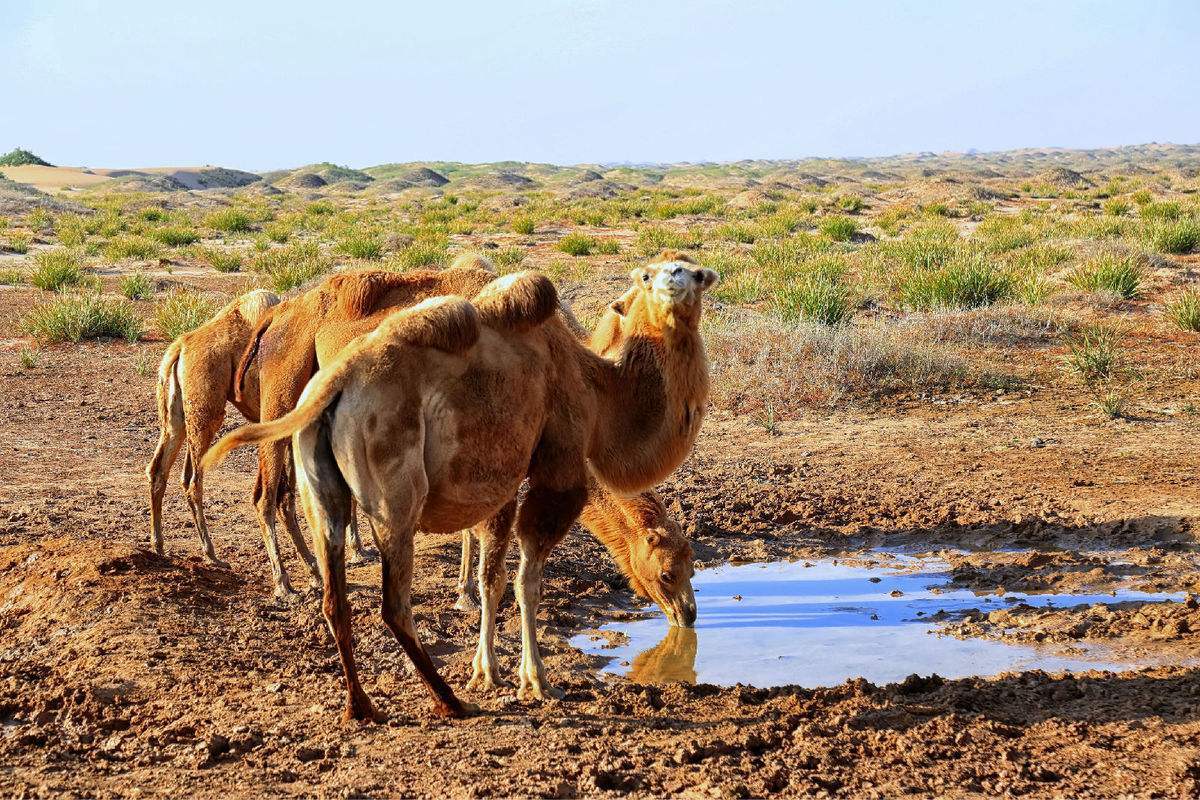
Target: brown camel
{"points": [[195, 381], [310, 330], [434, 420]]}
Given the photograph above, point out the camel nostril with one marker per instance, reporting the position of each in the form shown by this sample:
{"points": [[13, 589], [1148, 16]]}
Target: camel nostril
{"points": [[689, 615]]}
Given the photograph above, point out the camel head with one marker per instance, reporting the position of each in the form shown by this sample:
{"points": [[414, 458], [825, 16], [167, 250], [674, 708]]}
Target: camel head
{"points": [[666, 293], [660, 565]]}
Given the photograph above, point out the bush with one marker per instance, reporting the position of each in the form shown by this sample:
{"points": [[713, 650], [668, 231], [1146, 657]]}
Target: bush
{"points": [[221, 260], [361, 245], [524, 225], [653, 240], [92, 316], [138, 247], [228, 220], [12, 277], [508, 258], [1184, 310], [1120, 274], [183, 311], [1177, 237], [293, 265], [1094, 353], [576, 244], [137, 286], [818, 298], [966, 281], [420, 254], [840, 229], [1117, 207], [175, 236], [55, 270], [19, 241]]}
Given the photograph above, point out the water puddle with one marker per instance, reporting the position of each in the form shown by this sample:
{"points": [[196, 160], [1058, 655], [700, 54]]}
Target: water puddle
{"points": [[817, 625]]}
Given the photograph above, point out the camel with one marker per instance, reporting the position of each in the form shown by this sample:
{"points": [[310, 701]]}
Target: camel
{"points": [[310, 330], [195, 381], [435, 418]]}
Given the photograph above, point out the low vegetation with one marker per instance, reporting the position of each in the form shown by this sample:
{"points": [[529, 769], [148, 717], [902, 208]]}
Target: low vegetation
{"points": [[183, 311], [71, 318]]}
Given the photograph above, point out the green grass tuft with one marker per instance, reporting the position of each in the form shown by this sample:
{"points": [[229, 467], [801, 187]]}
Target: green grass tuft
{"points": [[840, 229], [137, 286], [228, 220], [130, 246], [183, 311], [293, 265], [576, 244], [1184, 310], [1120, 274], [175, 235], [55, 270], [92, 316]]}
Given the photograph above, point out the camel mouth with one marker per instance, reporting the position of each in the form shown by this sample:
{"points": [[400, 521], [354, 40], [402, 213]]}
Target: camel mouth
{"points": [[681, 612]]}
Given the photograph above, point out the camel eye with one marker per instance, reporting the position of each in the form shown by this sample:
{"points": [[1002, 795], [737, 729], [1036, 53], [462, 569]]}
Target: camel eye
{"points": [[665, 577]]}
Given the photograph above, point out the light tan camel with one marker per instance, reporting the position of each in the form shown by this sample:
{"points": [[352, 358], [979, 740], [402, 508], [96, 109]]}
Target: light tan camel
{"points": [[435, 419], [310, 330], [195, 381]]}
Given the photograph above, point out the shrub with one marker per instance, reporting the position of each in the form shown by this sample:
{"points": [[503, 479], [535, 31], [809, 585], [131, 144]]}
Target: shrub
{"points": [[175, 235], [507, 258], [1175, 237], [19, 241], [361, 245], [576, 244], [1120, 274], [1161, 212], [420, 254], [966, 281], [1094, 353], [129, 246], [228, 220], [12, 277], [57, 269], [183, 311], [278, 232], [653, 240], [524, 225], [1117, 207], [76, 317], [221, 260], [818, 297], [137, 286], [293, 265], [840, 229], [1184, 310]]}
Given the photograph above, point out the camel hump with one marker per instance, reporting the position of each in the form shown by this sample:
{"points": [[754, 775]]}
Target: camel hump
{"points": [[253, 305], [519, 302], [359, 294], [670, 256], [448, 323]]}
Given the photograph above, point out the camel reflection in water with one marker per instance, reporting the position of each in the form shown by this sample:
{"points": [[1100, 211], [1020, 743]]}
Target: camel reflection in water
{"points": [[671, 660]]}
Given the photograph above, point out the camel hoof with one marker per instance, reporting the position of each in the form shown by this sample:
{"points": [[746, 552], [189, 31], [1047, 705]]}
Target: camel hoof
{"points": [[466, 603], [535, 692], [216, 562], [362, 710], [456, 710], [286, 595], [157, 546], [486, 683]]}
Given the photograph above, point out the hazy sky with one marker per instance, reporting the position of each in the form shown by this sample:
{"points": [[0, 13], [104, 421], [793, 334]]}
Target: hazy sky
{"points": [[259, 84]]}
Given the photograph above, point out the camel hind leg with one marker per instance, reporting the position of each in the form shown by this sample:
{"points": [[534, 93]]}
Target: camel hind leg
{"points": [[465, 602], [326, 499], [170, 437], [204, 416], [494, 537]]}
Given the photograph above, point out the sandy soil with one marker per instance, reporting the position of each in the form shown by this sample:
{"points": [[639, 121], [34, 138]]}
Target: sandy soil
{"points": [[122, 671], [54, 179]]}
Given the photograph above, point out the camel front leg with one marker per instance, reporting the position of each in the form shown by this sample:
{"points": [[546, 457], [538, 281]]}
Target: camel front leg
{"points": [[494, 536], [465, 602], [545, 518]]}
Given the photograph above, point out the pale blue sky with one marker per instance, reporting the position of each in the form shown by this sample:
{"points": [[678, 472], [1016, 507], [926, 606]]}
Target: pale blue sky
{"points": [[259, 84]]}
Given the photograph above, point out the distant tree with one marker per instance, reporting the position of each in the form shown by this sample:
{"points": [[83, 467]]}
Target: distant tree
{"points": [[19, 157]]}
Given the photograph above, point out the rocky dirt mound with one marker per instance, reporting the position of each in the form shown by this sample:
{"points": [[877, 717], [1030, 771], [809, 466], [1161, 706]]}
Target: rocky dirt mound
{"points": [[1064, 178], [17, 198], [129, 181], [215, 178], [306, 180], [499, 180], [423, 176], [1133, 621]]}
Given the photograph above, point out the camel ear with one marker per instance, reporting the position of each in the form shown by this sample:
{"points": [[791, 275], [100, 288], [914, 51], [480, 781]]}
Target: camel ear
{"points": [[618, 306], [641, 276], [654, 539], [707, 278]]}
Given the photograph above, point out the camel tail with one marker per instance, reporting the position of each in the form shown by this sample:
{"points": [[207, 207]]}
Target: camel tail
{"points": [[167, 377], [251, 353], [322, 391]]}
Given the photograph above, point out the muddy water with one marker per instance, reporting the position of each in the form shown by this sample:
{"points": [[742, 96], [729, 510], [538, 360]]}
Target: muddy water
{"points": [[817, 624]]}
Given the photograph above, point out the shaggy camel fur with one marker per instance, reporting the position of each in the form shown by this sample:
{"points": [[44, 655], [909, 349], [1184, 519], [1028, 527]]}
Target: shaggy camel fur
{"points": [[283, 356], [436, 418]]}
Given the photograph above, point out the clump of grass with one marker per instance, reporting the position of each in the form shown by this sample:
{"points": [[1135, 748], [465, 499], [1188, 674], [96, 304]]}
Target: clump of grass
{"points": [[1184, 310], [137, 286], [152, 214], [70, 230], [1117, 207], [839, 229], [12, 277], [818, 297], [183, 311], [966, 281], [1161, 212], [175, 235], [607, 247], [28, 358], [508, 258], [92, 316], [1120, 274], [18, 242], [130, 246], [576, 244], [421, 254], [1094, 353], [228, 220], [1111, 402], [737, 232], [361, 245], [55, 270], [221, 260], [653, 240], [524, 225], [850, 203], [278, 232], [1175, 237], [319, 208], [293, 265]]}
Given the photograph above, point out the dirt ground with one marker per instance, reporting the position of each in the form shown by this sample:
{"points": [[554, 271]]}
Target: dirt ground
{"points": [[123, 673]]}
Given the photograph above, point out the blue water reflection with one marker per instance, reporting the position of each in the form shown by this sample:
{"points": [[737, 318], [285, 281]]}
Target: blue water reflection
{"points": [[821, 623]]}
